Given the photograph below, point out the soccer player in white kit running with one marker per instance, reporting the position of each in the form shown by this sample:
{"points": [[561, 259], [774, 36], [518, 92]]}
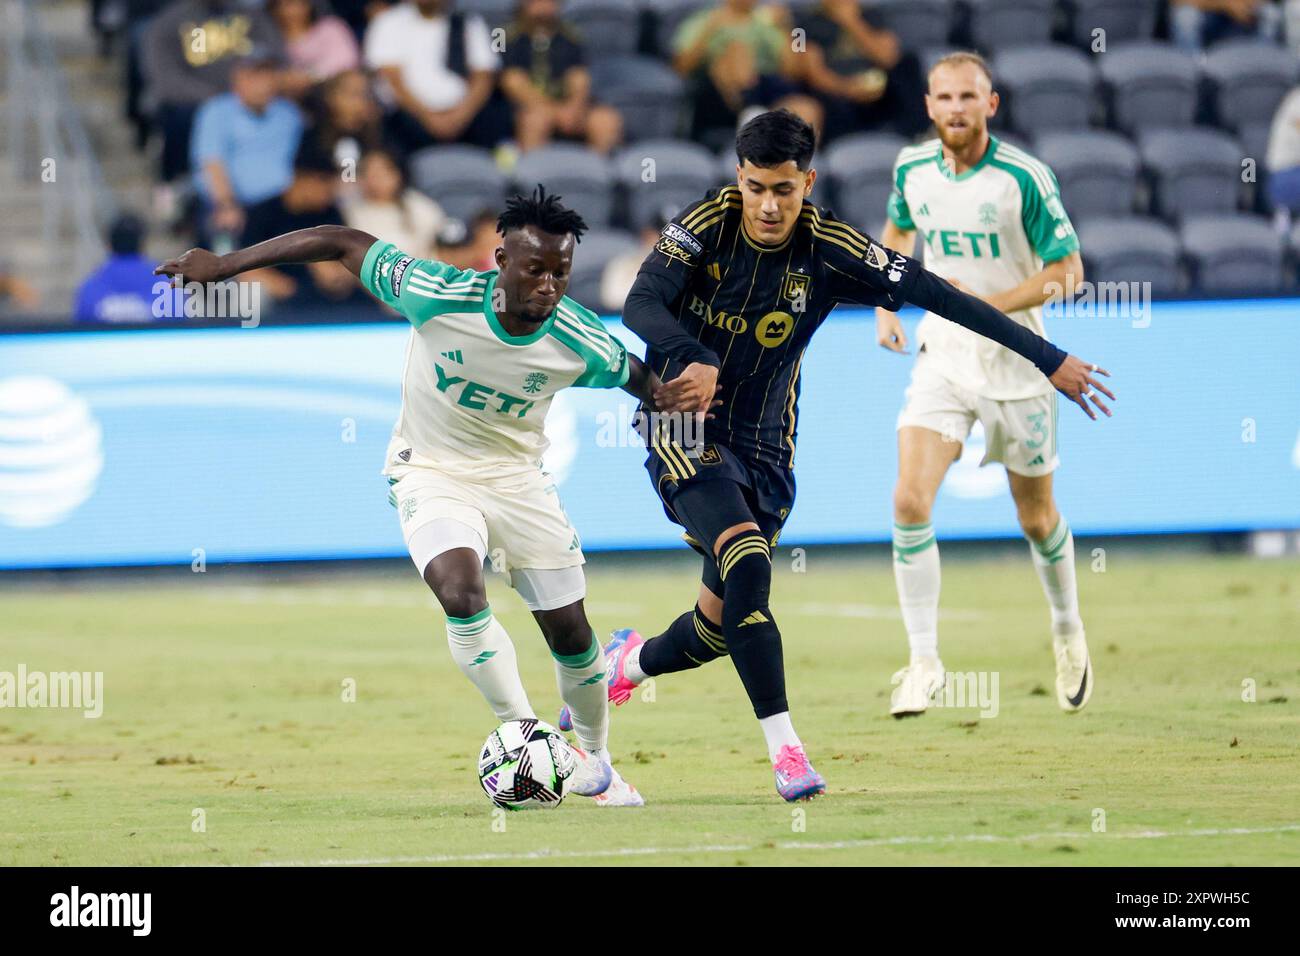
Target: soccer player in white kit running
{"points": [[993, 225], [487, 353]]}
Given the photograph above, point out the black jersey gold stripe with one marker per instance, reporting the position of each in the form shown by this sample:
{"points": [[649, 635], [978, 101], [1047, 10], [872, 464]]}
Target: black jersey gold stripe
{"points": [[725, 196], [827, 237], [852, 233], [830, 225], [713, 220], [790, 410], [847, 237]]}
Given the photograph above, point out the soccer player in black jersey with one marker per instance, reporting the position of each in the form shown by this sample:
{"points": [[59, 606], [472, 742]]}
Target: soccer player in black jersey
{"points": [[727, 302]]}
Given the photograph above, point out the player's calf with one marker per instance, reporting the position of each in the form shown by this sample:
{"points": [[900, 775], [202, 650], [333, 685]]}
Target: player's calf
{"points": [[752, 637]]}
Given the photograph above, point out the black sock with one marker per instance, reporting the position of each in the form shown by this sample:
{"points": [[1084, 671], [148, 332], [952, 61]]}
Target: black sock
{"points": [[690, 641], [752, 637]]}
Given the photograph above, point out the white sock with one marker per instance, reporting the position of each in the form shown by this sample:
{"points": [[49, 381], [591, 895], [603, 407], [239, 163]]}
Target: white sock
{"points": [[632, 665], [482, 650], [1054, 560], [779, 733], [581, 679], [916, 575]]}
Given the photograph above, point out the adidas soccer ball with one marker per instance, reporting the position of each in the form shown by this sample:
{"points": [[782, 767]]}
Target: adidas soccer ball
{"points": [[526, 764]]}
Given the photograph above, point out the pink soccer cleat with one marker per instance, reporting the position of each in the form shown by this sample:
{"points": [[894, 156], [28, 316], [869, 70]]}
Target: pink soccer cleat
{"points": [[795, 777], [620, 688]]}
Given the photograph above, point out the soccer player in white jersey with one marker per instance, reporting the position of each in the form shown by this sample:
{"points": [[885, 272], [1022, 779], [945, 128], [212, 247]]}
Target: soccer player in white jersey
{"points": [[993, 225], [487, 353]]}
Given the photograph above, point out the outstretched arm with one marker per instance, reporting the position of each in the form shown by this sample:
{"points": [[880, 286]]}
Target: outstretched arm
{"points": [[317, 244], [1069, 374]]}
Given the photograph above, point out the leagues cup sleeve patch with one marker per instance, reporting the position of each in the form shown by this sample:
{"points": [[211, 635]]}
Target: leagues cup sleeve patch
{"points": [[682, 238], [676, 243], [399, 270]]}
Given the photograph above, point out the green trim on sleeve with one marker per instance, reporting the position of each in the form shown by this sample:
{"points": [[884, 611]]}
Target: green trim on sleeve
{"points": [[420, 289], [582, 331], [909, 157], [1046, 224]]}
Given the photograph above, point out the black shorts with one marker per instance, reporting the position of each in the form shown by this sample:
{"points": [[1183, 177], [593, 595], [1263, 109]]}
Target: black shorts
{"points": [[766, 491]]}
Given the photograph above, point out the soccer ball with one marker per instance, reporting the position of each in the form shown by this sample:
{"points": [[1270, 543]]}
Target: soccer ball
{"points": [[526, 764]]}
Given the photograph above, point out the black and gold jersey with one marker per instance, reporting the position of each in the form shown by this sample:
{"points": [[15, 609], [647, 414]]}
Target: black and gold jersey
{"points": [[751, 309]]}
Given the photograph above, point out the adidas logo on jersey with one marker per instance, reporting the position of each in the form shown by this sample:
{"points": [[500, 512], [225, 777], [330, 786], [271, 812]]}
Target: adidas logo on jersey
{"points": [[455, 356], [1037, 461]]}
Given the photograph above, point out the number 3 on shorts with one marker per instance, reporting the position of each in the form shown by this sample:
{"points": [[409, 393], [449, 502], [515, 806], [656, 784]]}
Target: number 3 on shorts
{"points": [[1037, 428]]}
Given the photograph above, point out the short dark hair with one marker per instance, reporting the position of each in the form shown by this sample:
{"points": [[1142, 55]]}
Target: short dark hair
{"points": [[774, 137], [543, 211], [126, 235]]}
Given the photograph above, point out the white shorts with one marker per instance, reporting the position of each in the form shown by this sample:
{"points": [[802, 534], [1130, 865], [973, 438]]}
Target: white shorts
{"points": [[1020, 434], [519, 525]]}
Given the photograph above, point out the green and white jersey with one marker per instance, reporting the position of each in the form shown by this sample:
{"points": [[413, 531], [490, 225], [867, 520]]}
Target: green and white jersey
{"points": [[474, 397], [990, 228]]}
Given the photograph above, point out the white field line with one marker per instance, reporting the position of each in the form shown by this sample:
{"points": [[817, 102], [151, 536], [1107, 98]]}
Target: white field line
{"points": [[947, 840]]}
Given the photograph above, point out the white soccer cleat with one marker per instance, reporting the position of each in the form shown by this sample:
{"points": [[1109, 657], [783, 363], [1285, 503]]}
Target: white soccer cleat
{"points": [[917, 683], [620, 794], [592, 776], [1073, 672]]}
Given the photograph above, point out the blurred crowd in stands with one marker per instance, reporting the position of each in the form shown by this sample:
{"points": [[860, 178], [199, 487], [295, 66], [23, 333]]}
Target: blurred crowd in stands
{"points": [[270, 115]]}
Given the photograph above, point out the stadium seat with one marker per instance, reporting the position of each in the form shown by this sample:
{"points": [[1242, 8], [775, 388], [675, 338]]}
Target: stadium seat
{"points": [[1254, 141], [1249, 80], [647, 92], [1097, 170], [997, 24], [608, 27], [582, 176], [1148, 85], [683, 171], [1132, 249], [1235, 253], [918, 23], [463, 179], [1254, 145], [591, 256], [860, 172], [1195, 171], [1121, 19], [497, 13], [669, 15], [1047, 87]]}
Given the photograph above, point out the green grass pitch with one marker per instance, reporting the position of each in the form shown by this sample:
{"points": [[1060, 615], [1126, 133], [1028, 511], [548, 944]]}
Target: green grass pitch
{"points": [[224, 694]]}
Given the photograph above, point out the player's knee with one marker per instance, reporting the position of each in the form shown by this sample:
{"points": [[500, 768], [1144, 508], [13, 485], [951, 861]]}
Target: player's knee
{"points": [[464, 601], [745, 564], [1037, 521], [709, 605], [567, 630], [910, 505]]}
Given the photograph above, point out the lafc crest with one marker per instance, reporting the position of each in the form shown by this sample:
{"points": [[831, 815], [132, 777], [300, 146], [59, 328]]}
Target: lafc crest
{"points": [[796, 287]]}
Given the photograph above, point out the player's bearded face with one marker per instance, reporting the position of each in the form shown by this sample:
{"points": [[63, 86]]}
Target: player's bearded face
{"points": [[535, 270], [960, 102], [772, 198]]}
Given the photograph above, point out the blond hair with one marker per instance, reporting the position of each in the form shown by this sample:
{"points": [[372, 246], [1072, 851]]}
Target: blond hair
{"points": [[963, 58]]}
